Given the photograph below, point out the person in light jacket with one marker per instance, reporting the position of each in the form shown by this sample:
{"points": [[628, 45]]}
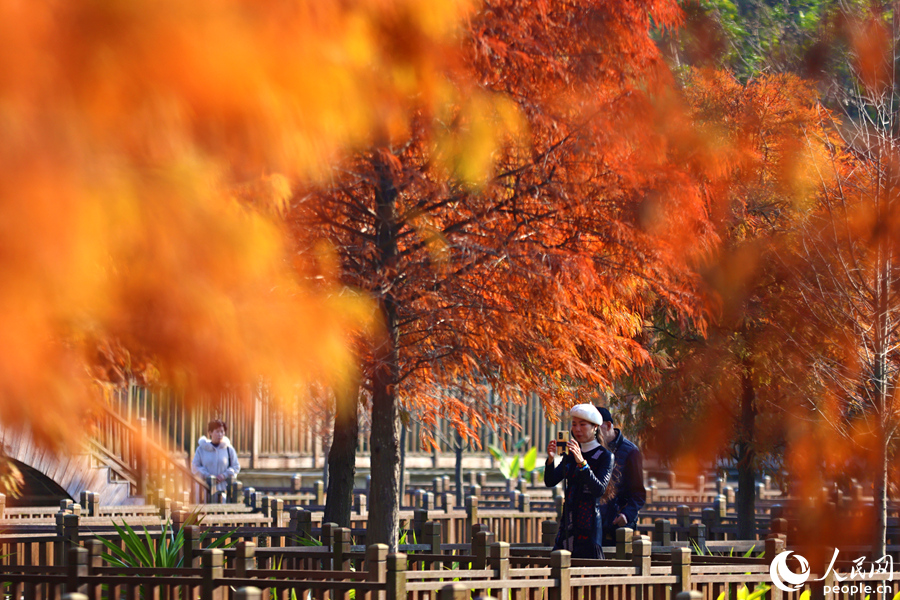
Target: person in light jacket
{"points": [[215, 455], [587, 469]]}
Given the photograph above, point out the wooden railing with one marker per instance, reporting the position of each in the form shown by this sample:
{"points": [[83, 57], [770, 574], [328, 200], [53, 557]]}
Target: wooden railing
{"points": [[259, 425], [134, 455], [334, 569]]}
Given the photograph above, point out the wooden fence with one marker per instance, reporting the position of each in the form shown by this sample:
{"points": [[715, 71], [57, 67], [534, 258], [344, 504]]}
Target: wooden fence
{"points": [[326, 573]]}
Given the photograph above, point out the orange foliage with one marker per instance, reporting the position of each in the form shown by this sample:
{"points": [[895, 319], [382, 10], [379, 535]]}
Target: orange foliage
{"points": [[128, 133], [761, 175], [539, 279]]}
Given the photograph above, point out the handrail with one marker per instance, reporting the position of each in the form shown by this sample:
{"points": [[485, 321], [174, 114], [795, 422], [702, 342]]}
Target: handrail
{"points": [[130, 466], [118, 466]]}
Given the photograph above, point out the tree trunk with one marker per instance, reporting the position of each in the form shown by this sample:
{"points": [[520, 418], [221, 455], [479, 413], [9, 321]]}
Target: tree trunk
{"points": [[883, 391], [384, 441], [879, 547], [746, 463], [460, 492], [404, 431], [342, 457]]}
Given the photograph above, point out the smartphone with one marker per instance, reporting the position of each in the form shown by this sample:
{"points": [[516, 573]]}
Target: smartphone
{"points": [[562, 438]]}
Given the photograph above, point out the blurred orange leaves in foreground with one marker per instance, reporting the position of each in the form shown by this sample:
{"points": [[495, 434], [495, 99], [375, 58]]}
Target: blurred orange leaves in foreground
{"points": [[145, 147]]}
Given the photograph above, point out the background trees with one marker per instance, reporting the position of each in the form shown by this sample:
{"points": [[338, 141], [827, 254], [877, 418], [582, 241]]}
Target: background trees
{"points": [[538, 278]]}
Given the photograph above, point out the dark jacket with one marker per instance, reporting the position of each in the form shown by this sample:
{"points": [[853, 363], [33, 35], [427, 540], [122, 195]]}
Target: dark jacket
{"points": [[584, 491], [628, 478]]}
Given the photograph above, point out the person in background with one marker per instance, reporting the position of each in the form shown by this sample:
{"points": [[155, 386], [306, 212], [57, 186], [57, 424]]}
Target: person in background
{"points": [[215, 455], [628, 479], [587, 468]]}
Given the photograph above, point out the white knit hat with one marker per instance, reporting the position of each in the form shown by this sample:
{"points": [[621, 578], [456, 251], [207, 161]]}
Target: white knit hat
{"points": [[587, 412]]}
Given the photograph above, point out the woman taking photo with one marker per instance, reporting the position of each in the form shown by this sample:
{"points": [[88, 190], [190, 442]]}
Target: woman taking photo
{"points": [[587, 468]]}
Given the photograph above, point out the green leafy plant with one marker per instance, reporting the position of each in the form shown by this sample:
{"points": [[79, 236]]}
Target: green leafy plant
{"points": [[707, 552], [140, 550], [510, 465], [305, 540]]}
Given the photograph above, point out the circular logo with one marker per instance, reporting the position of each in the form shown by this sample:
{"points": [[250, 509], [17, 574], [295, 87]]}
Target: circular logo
{"points": [[785, 579]]}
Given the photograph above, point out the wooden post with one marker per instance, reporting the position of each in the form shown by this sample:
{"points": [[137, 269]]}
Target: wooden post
{"points": [[319, 489], [76, 570], [376, 565], [681, 568], [560, 573], [548, 533], [276, 510], [327, 539], [720, 505], [95, 550], [774, 546], [396, 576], [431, 536], [500, 565], [471, 515], [244, 558], [624, 543], [480, 549], [697, 536], [641, 555], [729, 495], [179, 517], [641, 561], [256, 432], [683, 516], [296, 483], [779, 526], [701, 484], [340, 549], [710, 520], [419, 518], [524, 510], [190, 549], [212, 568], [662, 533], [300, 525]]}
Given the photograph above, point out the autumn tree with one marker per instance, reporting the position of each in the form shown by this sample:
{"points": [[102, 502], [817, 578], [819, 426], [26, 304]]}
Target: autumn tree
{"points": [[539, 278], [845, 260], [148, 149], [724, 375]]}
